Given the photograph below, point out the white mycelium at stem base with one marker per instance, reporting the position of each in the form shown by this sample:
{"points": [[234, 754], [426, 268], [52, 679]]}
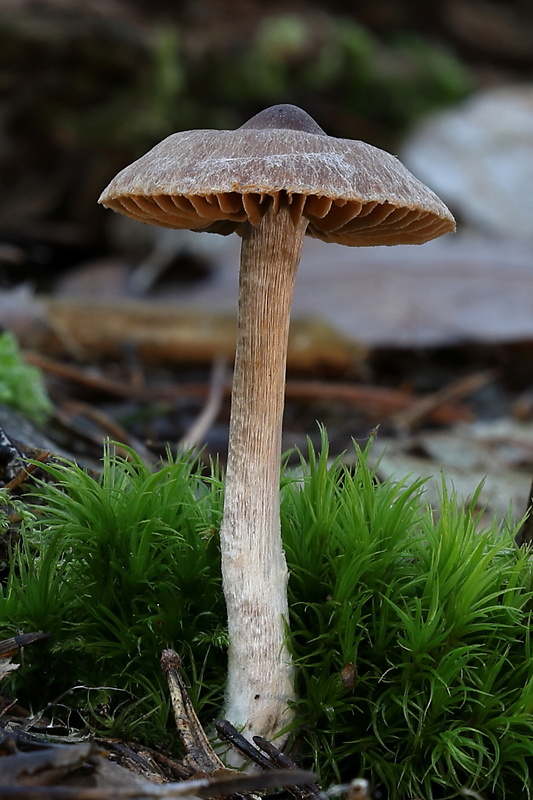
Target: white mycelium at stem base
{"points": [[254, 571]]}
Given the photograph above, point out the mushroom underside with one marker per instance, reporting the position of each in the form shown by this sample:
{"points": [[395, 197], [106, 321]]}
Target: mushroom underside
{"points": [[332, 220]]}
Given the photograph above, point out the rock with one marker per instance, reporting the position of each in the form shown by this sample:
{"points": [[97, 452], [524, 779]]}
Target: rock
{"points": [[479, 159], [460, 288]]}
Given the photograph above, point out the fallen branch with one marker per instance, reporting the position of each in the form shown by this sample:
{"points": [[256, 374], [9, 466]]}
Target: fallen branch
{"points": [[160, 333], [377, 402]]}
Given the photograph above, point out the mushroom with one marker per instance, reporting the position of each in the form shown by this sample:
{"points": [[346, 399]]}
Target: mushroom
{"points": [[273, 180]]}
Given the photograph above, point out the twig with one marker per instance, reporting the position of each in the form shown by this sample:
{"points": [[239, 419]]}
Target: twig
{"points": [[198, 430], [376, 401], [145, 790], [524, 534], [156, 262], [81, 376], [267, 756], [34, 719], [199, 752], [282, 761], [277, 758], [229, 734], [28, 469], [8, 647], [429, 405], [110, 427]]}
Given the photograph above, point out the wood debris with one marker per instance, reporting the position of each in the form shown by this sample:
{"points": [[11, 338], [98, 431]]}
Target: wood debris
{"points": [[159, 333]]}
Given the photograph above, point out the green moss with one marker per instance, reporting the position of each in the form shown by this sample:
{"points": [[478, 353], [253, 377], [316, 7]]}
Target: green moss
{"points": [[21, 385], [411, 633], [434, 616], [114, 86]]}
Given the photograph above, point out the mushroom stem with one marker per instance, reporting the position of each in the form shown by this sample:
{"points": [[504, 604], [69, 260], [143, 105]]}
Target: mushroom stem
{"points": [[254, 571]]}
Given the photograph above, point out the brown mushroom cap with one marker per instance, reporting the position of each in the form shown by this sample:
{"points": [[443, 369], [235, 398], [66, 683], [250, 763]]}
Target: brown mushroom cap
{"points": [[211, 180]]}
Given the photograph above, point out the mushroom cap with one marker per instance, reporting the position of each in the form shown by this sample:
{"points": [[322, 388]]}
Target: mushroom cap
{"points": [[210, 180]]}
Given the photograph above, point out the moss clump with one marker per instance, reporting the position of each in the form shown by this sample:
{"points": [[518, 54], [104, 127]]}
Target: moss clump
{"points": [[412, 636], [411, 633], [21, 385]]}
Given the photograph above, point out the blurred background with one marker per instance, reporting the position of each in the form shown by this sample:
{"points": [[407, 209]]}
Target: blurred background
{"points": [[86, 86]]}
